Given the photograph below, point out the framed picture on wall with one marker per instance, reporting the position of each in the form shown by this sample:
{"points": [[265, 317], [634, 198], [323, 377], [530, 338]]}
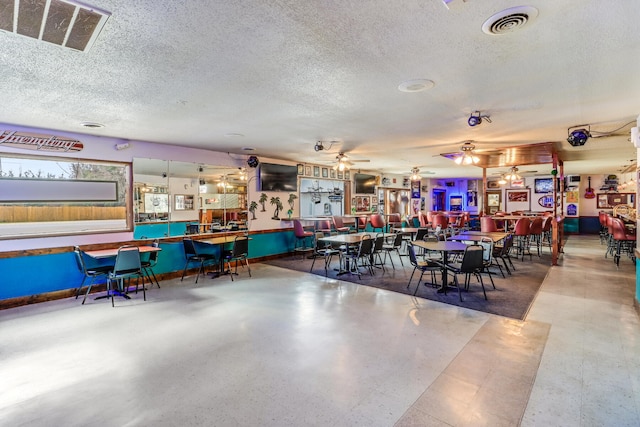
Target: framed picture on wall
{"points": [[316, 171], [493, 184], [300, 169], [340, 175], [332, 173], [518, 200], [363, 203], [347, 175], [307, 170], [325, 172]]}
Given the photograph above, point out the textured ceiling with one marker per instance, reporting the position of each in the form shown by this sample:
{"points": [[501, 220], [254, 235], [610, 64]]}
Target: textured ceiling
{"points": [[286, 74]]}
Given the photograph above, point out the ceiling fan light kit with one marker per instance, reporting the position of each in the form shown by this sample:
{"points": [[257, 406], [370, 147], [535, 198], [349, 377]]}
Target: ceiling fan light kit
{"points": [[466, 156]]}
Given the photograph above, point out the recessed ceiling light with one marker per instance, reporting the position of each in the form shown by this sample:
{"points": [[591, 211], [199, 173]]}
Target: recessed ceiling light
{"points": [[248, 149], [92, 125], [417, 85], [233, 135]]}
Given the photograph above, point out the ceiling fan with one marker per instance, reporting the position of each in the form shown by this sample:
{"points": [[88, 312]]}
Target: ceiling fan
{"points": [[513, 174], [344, 162]]}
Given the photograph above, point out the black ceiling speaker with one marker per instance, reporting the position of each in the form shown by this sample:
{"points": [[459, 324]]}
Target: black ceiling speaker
{"points": [[476, 118], [578, 137], [253, 162]]}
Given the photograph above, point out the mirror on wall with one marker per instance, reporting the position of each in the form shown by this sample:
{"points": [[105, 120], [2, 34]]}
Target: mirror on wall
{"points": [[174, 198]]}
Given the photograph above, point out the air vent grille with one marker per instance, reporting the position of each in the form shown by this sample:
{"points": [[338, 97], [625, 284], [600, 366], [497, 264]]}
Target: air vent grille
{"points": [[62, 22], [509, 20]]}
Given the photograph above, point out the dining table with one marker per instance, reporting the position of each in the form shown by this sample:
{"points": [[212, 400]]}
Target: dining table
{"points": [[348, 240], [476, 236], [444, 247], [221, 241]]}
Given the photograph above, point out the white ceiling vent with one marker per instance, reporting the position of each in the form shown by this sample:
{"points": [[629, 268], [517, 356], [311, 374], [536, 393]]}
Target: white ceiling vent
{"points": [[63, 22], [509, 20]]}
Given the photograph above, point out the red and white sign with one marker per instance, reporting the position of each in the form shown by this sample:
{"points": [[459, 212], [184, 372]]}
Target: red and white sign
{"points": [[34, 141]]}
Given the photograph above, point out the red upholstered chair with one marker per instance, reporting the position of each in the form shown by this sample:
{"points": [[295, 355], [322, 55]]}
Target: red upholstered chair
{"points": [[324, 226], [602, 217], [430, 216], [362, 222], [488, 224], [535, 232], [338, 224], [521, 233], [377, 221], [422, 219], [301, 235], [395, 220], [623, 239], [440, 220], [547, 223]]}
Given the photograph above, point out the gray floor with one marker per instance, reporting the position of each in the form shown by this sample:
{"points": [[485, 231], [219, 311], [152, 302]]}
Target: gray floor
{"points": [[289, 348]]}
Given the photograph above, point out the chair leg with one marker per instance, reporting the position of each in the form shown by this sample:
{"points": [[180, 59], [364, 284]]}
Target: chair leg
{"points": [[411, 278], [184, 270], [88, 289]]}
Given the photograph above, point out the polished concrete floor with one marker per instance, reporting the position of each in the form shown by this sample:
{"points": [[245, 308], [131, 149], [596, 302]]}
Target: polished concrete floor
{"points": [[286, 348]]}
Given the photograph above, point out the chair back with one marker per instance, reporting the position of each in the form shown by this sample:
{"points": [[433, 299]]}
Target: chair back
{"points": [[189, 247], [546, 225], [421, 233], [487, 249], [362, 222], [153, 256], [397, 240], [127, 260], [324, 225], [378, 242], [472, 260], [366, 246], [193, 228], [377, 221], [337, 222], [412, 255], [619, 230], [395, 219], [522, 227], [422, 219], [431, 215], [298, 229], [602, 217], [240, 247], [610, 223], [440, 220], [79, 255], [488, 224], [536, 226]]}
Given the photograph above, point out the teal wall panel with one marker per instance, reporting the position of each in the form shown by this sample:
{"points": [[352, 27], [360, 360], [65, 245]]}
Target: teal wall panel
{"points": [[37, 274]]}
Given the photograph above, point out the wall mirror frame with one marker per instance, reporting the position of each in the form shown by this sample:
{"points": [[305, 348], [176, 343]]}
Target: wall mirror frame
{"points": [[188, 197]]}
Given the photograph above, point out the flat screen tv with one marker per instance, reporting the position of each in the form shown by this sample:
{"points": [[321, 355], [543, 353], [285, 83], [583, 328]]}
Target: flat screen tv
{"points": [[365, 184], [278, 177], [543, 185]]}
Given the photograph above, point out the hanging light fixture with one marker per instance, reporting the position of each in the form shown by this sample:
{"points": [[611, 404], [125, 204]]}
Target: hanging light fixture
{"points": [[342, 164], [512, 175], [466, 156], [415, 174], [502, 180]]}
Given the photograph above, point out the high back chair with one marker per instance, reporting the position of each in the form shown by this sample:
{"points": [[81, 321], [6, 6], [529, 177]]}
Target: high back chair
{"points": [[502, 252], [422, 220], [192, 254], [92, 272], [378, 245], [338, 224], [521, 233], [547, 223], [377, 222], [602, 218], [239, 252], [324, 226], [150, 262], [394, 221], [625, 241], [127, 266], [488, 224], [535, 232], [301, 235]]}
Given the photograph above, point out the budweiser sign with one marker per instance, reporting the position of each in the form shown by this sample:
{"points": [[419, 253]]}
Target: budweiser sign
{"points": [[34, 141]]}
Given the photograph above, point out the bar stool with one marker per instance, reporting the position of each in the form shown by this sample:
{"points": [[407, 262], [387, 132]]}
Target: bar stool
{"points": [[377, 221], [535, 232], [521, 233], [488, 225], [338, 224], [301, 236], [624, 240]]}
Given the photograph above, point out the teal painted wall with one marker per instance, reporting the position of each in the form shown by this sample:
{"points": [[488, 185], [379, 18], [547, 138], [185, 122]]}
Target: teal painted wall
{"points": [[37, 274]]}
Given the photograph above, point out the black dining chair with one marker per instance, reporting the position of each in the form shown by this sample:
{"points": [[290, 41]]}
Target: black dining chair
{"points": [[472, 264], [393, 247], [323, 250], [239, 252], [423, 266], [89, 272], [150, 262], [192, 255], [127, 266]]}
